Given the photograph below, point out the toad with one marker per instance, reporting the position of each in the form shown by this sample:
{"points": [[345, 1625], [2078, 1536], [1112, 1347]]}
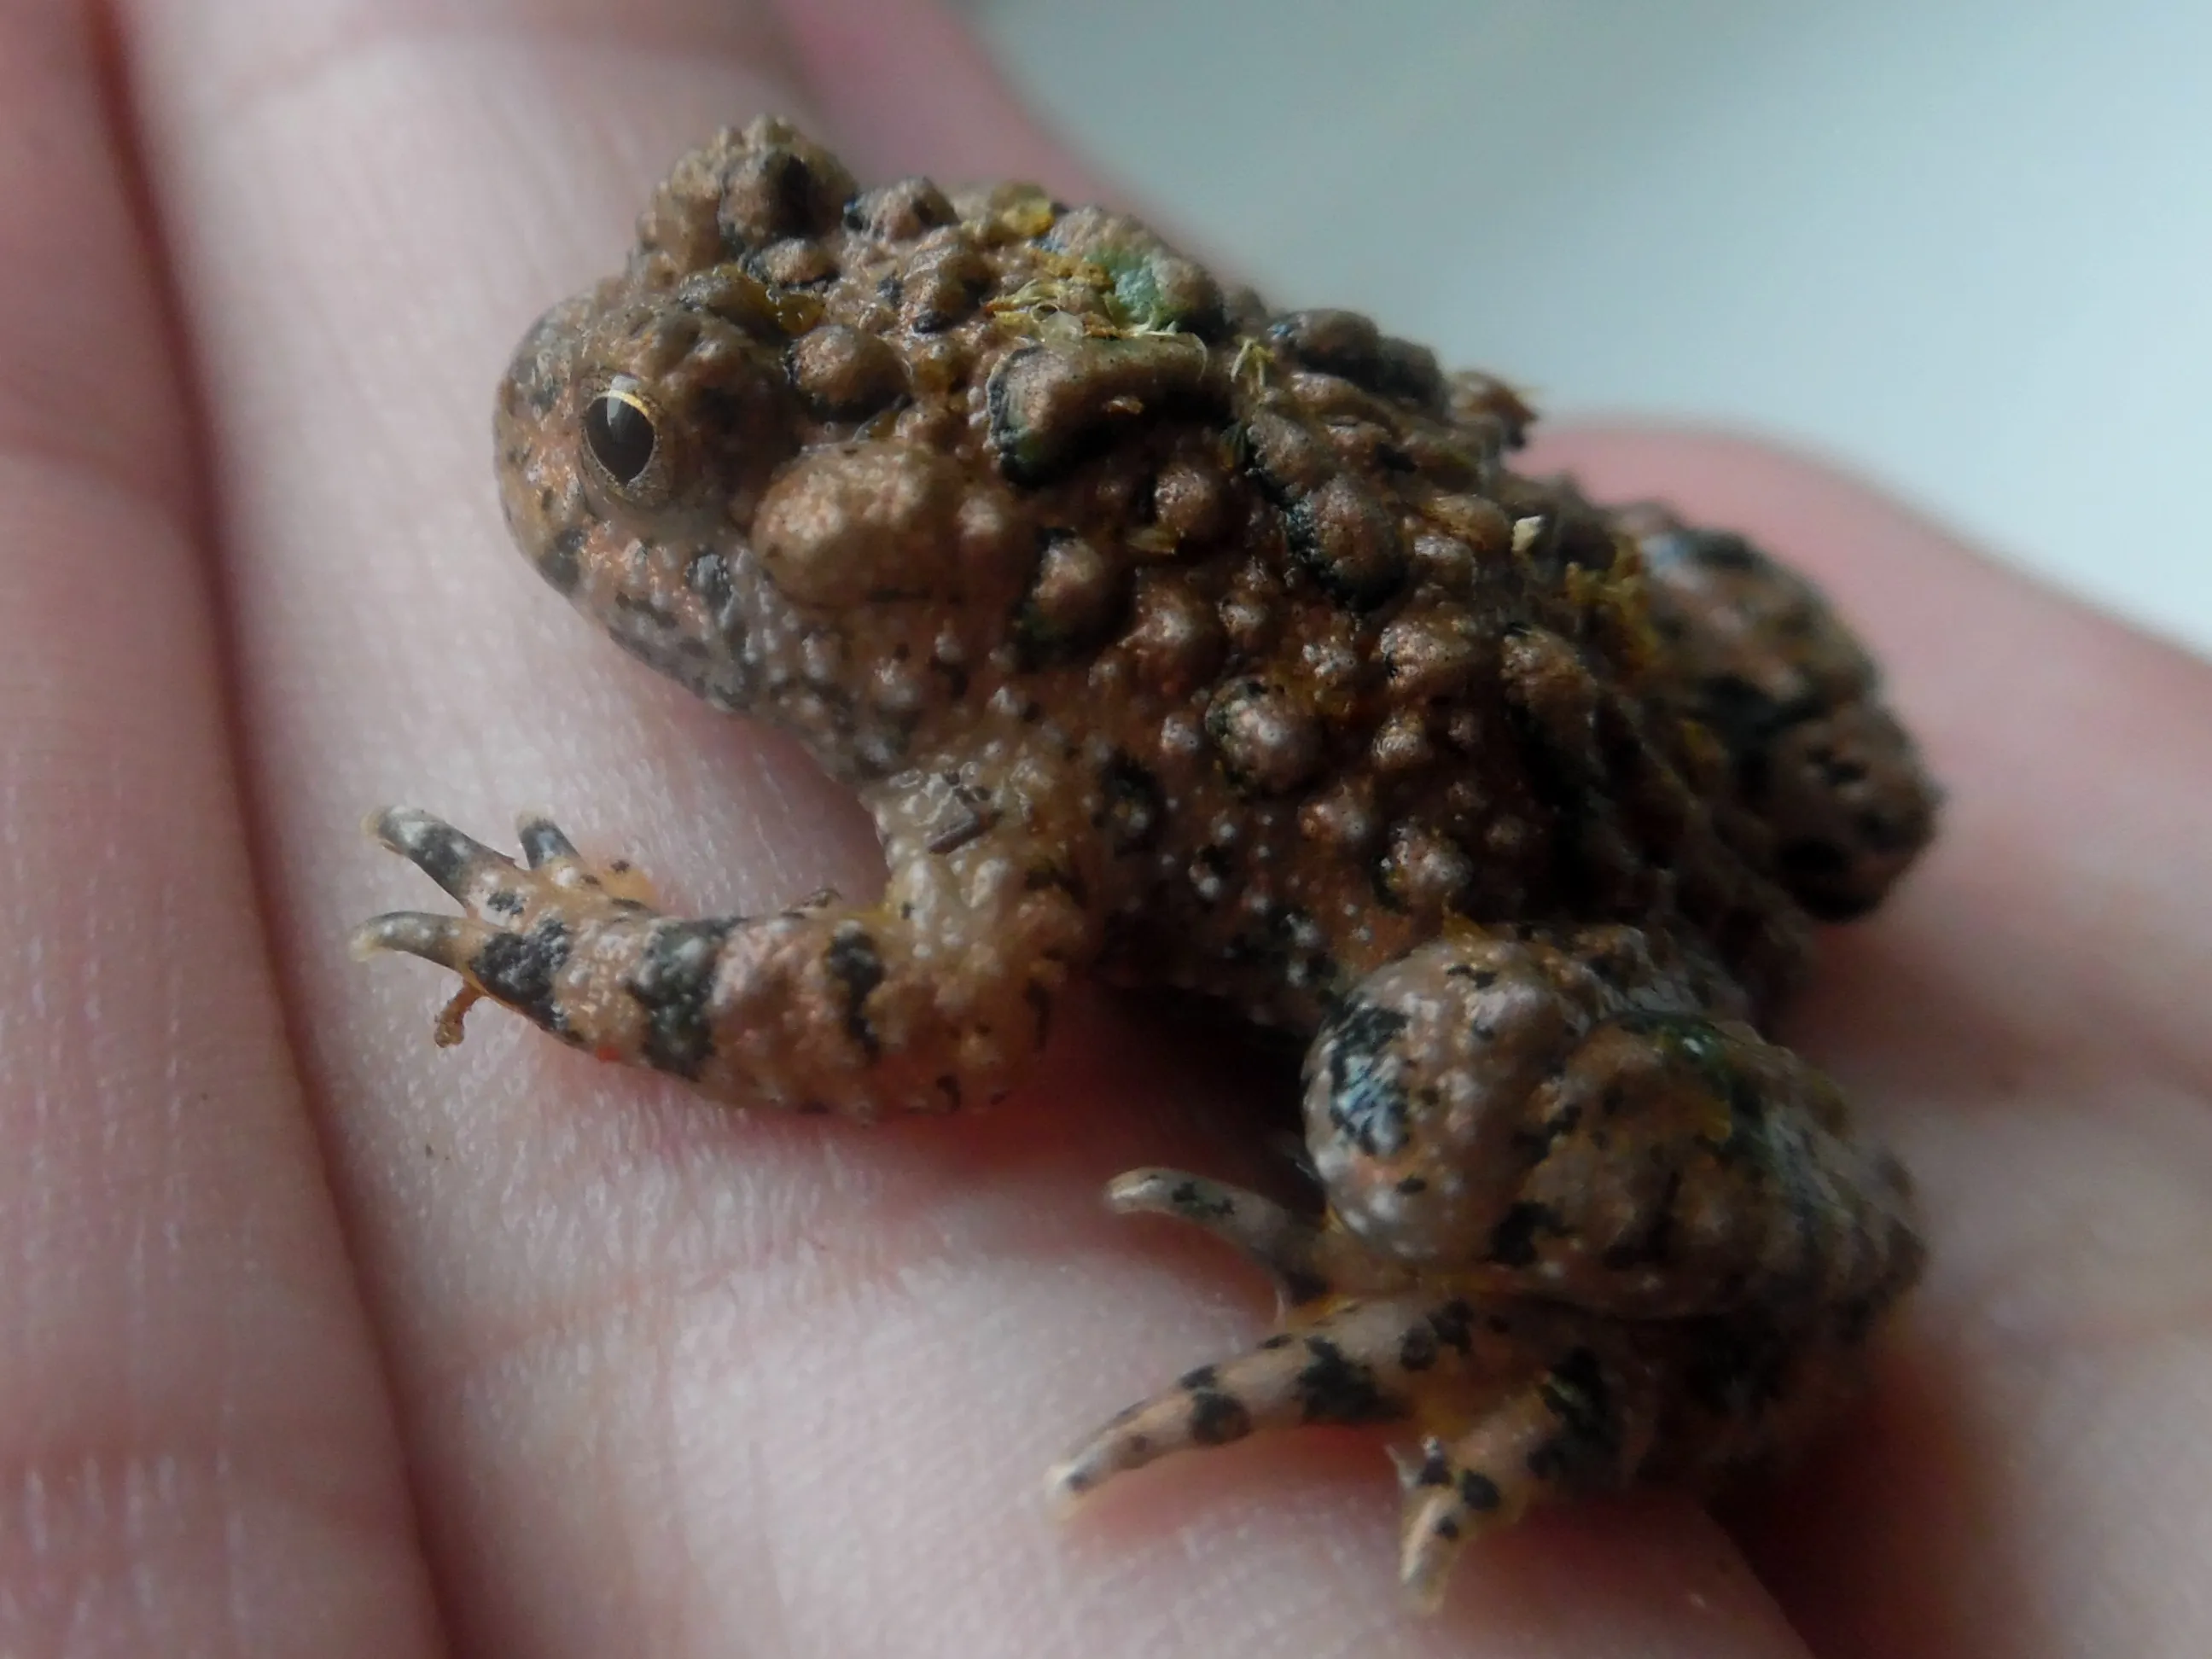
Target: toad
{"points": [[1193, 646]]}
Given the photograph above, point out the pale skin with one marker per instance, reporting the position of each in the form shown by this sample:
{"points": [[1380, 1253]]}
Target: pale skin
{"points": [[316, 1338]]}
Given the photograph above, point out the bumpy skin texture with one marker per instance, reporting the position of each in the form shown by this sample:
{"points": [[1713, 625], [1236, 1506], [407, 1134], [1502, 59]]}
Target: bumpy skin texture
{"points": [[1176, 642]]}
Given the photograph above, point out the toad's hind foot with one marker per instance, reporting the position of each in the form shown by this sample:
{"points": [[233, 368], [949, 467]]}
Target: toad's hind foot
{"points": [[1516, 1401], [1574, 1428], [1349, 1366]]}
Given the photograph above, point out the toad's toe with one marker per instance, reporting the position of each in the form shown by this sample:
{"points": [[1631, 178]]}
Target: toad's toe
{"points": [[530, 934]]}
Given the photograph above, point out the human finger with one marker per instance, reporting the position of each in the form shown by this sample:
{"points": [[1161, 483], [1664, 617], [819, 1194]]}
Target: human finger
{"points": [[199, 1453]]}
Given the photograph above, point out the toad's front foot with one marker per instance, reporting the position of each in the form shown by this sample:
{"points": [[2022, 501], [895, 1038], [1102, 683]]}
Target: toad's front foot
{"points": [[906, 1004], [530, 933]]}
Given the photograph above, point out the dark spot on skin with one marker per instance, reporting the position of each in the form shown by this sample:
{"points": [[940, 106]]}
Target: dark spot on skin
{"points": [[1815, 862], [1300, 1287], [899, 211], [1537, 1143], [1199, 1204], [1212, 869], [1883, 833], [1413, 1186], [1513, 1240], [1818, 875], [441, 853], [1854, 1320], [1577, 1392], [951, 839], [1448, 1530], [1417, 1351], [674, 980], [1478, 1491], [1366, 1103], [1040, 1001], [1045, 877], [1655, 1244], [561, 563], [1453, 1324], [1720, 549], [709, 577], [1136, 807], [1435, 1470], [1278, 1341], [1359, 576], [1204, 1377], [506, 902], [1741, 1367], [519, 969], [854, 962], [948, 1086], [1218, 1418], [1336, 1388]]}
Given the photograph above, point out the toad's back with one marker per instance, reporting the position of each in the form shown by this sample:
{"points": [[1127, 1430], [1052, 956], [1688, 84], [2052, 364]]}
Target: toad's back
{"points": [[1022, 522]]}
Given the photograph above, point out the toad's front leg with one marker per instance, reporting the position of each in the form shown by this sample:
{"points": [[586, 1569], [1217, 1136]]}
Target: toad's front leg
{"points": [[934, 997]]}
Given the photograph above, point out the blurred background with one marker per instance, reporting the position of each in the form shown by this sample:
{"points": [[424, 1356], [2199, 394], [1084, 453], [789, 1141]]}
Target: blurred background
{"points": [[1962, 247]]}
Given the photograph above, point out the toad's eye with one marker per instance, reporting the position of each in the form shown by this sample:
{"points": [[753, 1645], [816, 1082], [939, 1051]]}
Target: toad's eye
{"points": [[618, 431]]}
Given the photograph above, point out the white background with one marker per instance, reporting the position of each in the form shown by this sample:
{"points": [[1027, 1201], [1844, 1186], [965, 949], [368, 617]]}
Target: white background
{"points": [[1962, 245]]}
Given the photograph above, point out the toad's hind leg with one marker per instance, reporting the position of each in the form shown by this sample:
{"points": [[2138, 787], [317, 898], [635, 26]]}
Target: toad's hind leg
{"points": [[1763, 661], [935, 996], [1516, 1402]]}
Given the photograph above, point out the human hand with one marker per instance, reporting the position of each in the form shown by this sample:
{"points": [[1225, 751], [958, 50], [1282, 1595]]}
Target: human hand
{"points": [[314, 1338]]}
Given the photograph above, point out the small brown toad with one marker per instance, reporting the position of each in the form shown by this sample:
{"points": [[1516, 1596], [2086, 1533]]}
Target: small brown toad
{"points": [[1191, 645]]}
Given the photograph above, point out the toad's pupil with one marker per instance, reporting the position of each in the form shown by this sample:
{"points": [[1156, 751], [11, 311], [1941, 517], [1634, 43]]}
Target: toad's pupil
{"points": [[620, 434]]}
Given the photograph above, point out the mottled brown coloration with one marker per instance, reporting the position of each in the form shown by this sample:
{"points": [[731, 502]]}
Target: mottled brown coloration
{"points": [[1177, 641]]}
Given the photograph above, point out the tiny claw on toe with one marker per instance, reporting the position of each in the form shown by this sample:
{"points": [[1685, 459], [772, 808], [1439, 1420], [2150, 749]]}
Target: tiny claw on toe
{"points": [[1065, 1489], [1137, 1437], [1433, 1533], [1444, 1506], [542, 840]]}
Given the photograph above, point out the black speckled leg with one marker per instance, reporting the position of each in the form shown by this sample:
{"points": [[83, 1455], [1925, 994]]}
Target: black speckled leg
{"points": [[1516, 1400], [1349, 1366], [1586, 1422], [1302, 1258], [922, 1002]]}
